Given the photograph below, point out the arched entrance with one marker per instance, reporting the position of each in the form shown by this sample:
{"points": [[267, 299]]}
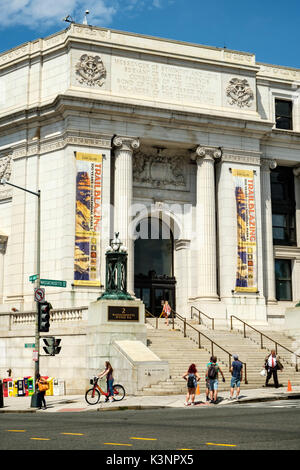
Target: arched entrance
{"points": [[154, 279]]}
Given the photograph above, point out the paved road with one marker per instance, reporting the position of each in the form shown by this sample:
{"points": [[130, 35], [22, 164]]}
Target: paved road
{"points": [[205, 428]]}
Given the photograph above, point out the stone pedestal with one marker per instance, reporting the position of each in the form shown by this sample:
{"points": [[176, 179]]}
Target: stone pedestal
{"points": [[110, 321]]}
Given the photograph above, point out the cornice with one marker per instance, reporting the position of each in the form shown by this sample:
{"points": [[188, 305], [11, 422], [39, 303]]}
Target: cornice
{"points": [[104, 107], [58, 142], [143, 44]]}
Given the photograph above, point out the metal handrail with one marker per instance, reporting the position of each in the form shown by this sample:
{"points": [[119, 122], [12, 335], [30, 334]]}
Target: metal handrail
{"points": [[151, 315], [202, 313], [261, 338], [185, 324]]}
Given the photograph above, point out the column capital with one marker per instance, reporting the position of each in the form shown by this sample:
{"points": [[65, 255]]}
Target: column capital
{"points": [[208, 153], [126, 143], [296, 171], [268, 164]]}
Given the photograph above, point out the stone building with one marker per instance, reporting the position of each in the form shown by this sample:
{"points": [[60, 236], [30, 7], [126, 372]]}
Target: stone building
{"points": [[191, 153]]}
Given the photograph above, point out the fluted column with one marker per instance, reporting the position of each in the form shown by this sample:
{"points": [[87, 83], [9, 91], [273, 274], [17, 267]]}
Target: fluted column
{"points": [[206, 223], [267, 231], [124, 147]]}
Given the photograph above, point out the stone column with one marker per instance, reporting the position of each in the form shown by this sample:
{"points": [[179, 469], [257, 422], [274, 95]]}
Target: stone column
{"points": [[206, 223], [267, 231], [296, 172], [124, 147]]}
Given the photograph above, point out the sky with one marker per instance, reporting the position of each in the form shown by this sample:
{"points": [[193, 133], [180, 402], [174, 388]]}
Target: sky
{"points": [[269, 29]]}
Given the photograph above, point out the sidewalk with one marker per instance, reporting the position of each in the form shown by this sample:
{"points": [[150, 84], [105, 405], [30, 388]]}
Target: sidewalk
{"points": [[77, 403]]}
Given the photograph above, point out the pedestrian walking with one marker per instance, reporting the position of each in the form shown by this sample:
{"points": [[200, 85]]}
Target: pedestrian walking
{"points": [[42, 386], [166, 312], [108, 373], [236, 376], [192, 377], [212, 373], [272, 364]]}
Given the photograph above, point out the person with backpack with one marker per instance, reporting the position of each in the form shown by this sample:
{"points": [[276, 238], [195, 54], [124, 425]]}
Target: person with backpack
{"points": [[192, 377], [236, 376], [212, 373]]}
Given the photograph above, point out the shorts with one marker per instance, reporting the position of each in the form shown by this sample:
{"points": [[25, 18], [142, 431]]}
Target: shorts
{"points": [[235, 381], [213, 384]]}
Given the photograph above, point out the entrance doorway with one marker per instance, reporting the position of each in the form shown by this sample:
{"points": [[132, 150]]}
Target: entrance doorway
{"points": [[154, 279]]}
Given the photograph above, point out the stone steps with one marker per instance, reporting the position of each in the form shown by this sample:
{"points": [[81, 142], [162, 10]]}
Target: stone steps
{"points": [[180, 352]]}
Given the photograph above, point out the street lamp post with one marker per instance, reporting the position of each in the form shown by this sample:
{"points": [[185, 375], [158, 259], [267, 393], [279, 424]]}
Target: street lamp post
{"points": [[38, 269]]}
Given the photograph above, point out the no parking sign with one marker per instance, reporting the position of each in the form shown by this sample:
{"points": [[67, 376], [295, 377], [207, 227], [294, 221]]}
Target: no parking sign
{"points": [[39, 294]]}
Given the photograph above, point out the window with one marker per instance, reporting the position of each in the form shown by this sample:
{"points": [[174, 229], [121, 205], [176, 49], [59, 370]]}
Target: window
{"points": [[283, 279], [283, 114], [283, 206]]}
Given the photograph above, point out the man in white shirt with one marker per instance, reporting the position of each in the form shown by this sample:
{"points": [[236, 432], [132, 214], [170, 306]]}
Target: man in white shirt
{"points": [[271, 365]]}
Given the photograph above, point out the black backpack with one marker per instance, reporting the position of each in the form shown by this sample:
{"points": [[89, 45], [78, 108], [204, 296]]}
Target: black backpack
{"points": [[191, 381], [212, 372]]}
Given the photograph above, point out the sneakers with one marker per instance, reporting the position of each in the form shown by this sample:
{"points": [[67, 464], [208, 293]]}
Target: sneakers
{"points": [[193, 404], [186, 403]]}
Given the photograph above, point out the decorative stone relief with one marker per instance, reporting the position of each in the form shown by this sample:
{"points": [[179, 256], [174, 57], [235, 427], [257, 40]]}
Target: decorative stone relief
{"points": [[239, 93], [5, 172], [90, 70], [159, 171]]}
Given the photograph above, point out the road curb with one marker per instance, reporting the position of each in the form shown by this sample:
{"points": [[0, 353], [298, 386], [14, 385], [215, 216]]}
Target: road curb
{"points": [[262, 399]]}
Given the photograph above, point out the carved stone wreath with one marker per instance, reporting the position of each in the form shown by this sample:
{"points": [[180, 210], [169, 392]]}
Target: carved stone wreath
{"points": [[239, 93], [90, 70]]}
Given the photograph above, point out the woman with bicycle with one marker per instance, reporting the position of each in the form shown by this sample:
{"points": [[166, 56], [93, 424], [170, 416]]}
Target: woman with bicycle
{"points": [[108, 372]]}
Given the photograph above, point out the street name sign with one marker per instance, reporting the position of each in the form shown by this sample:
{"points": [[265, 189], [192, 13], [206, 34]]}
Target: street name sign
{"points": [[33, 278], [53, 283]]}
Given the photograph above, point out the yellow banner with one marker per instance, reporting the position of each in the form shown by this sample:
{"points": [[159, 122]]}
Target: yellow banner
{"points": [[88, 219], [246, 275]]}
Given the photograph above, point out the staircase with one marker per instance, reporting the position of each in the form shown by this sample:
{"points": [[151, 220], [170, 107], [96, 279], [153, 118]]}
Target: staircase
{"points": [[180, 352]]}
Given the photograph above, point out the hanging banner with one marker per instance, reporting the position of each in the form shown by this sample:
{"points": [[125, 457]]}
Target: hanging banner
{"points": [[88, 219], [246, 275]]}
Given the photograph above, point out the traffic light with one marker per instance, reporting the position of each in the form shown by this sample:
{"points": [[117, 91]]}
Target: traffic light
{"points": [[44, 316], [52, 345]]}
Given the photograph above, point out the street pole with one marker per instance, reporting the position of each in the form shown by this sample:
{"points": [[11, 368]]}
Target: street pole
{"points": [[38, 273], [38, 269]]}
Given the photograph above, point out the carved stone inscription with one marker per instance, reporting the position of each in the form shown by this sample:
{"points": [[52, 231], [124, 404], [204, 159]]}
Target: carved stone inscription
{"points": [[165, 82]]}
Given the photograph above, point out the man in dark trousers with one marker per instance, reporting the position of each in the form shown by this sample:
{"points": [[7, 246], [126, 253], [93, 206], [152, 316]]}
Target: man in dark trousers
{"points": [[272, 364]]}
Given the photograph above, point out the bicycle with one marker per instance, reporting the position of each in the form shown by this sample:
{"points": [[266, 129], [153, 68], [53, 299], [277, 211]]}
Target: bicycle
{"points": [[93, 395]]}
